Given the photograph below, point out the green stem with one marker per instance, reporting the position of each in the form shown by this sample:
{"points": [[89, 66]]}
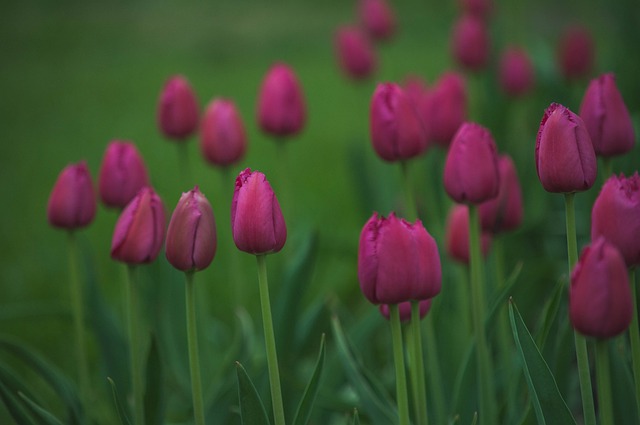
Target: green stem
{"points": [[435, 375], [607, 168], [634, 335], [412, 212], [134, 348], [418, 371], [485, 377], [183, 158], [192, 342], [270, 342], [604, 382], [398, 356]]}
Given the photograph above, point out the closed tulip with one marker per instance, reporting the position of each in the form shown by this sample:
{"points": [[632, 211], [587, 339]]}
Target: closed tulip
{"points": [[457, 235], [504, 212], [122, 174], [223, 140], [178, 110], [377, 18], [405, 310], [281, 106], [72, 203], [576, 52], [470, 43], [356, 56], [516, 72], [446, 108]]}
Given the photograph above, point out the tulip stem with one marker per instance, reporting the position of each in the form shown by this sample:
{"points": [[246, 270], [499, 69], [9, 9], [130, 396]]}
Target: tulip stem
{"points": [[607, 168], [435, 377], [134, 347], [634, 335], [412, 212], [192, 342], [418, 372], [270, 342], [604, 382], [183, 158], [398, 357], [582, 355]]}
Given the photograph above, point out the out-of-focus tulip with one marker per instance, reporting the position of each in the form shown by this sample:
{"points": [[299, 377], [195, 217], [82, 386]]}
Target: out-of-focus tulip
{"points": [[416, 89], [478, 8], [257, 223], [504, 212], [178, 109], [377, 18], [355, 53], [565, 159], [470, 42], [576, 52], [397, 133], [607, 118], [600, 301], [281, 106], [405, 310], [516, 72], [457, 235], [616, 216], [446, 106], [122, 174], [140, 229], [471, 169], [72, 203], [397, 261], [223, 140]]}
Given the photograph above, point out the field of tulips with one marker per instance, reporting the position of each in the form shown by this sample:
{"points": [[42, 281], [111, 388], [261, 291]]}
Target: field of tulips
{"points": [[343, 212]]}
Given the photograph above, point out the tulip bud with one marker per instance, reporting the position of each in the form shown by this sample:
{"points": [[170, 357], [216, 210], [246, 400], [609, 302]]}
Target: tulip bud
{"points": [[140, 229], [377, 18], [355, 53], [178, 109], [446, 106], [600, 300], [281, 107], [416, 90], [516, 72], [471, 169], [397, 261], [504, 212], [405, 309], [72, 203], [616, 216], [607, 118], [565, 159], [222, 137], [257, 223], [122, 174], [576, 52], [191, 236], [396, 130], [457, 235], [470, 43]]}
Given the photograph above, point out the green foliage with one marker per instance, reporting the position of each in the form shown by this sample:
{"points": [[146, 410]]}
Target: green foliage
{"points": [[252, 409]]}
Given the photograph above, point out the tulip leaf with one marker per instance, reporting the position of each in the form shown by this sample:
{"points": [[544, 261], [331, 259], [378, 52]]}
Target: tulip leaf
{"points": [[502, 296], [306, 403], [15, 407], [122, 413], [153, 396], [548, 404], [549, 313], [45, 417], [356, 419], [252, 410]]}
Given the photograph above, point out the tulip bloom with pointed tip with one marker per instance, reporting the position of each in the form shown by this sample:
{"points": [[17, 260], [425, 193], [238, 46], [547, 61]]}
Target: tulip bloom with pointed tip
{"points": [[178, 110], [281, 106], [222, 137], [72, 203], [470, 42], [616, 216], [607, 118], [446, 108], [504, 212], [576, 52], [457, 235], [122, 174], [397, 261], [356, 56], [140, 229], [565, 159], [516, 72], [257, 223], [377, 18], [405, 310], [600, 301]]}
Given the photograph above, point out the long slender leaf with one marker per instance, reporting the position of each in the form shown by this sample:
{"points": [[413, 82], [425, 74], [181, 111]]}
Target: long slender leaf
{"points": [[122, 413], [15, 407], [153, 396], [356, 419], [306, 403], [251, 407], [45, 417], [549, 313]]}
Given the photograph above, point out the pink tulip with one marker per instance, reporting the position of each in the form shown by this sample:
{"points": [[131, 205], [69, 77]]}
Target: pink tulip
{"points": [[457, 235], [516, 72], [122, 174], [405, 310], [377, 18], [446, 109], [178, 109], [72, 203], [222, 137], [281, 106], [504, 212], [470, 43], [576, 52], [355, 53]]}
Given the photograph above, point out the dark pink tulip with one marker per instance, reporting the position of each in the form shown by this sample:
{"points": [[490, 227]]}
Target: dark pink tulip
{"points": [[600, 301], [504, 212], [516, 72], [257, 223], [178, 109], [191, 236], [140, 229], [446, 108], [405, 310], [397, 261], [576, 52], [417, 91], [355, 53], [565, 159], [478, 8], [470, 42], [616, 216], [222, 137], [72, 203], [607, 118], [457, 235], [471, 170], [122, 174], [281, 107], [397, 132], [377, 18]]}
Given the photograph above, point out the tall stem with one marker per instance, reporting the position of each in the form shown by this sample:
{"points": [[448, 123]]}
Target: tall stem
{"points": [[412, 212], [435, 376], [634, 335], [134, 348], [270, 342], [183, 158], [604, 382], [418, 372], [194, 358], [398, 357]]}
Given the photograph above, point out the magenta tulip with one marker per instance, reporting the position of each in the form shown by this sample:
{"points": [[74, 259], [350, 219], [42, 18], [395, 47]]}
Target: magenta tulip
{"points": [[377, 18], [178, 110], [222, 137], [446, 108], [405, 310], [504, 212], [457, 235], [122, 174], [470, 43], [281, 106], [516, 72], [72, 203], [576, 52], [356, 56]]}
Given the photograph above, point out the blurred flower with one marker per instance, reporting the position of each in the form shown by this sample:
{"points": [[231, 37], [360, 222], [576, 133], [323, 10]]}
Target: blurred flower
{"points": [[355, 53], [257, 223], [191, 236], [516, 72], [576, 51], [377, 18], [564, 155], [222, 137], [122, 174], [140, 229], [470, 42], [446, 108], [504, 212], [616, 216], [478, 8], [457, 235], [397, 261], [72, 203], [281, 107], [600, 301], [606, 117], [405, 310], [178, 109]]}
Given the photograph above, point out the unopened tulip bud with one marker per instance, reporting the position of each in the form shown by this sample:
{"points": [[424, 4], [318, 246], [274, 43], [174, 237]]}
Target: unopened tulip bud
{"points": [[457, 235], [377, 18], [565, 159], [576, 52], [397, 261], [470, 43], [257, 223], [140, 229], [355, 53], [281, 106], [222, 137], [607, 118], [122, 174], [516, 72], [600, 301], [72, 203], [504, 212], [446, 108], [405, 309], [178, 110]]}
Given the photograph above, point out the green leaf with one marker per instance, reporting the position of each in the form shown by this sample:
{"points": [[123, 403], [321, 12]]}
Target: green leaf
{"points": [[356, 418], [503, 295], [251, 408], [306, 403], [153, 396], [547, 401], [15, 407], [549, 313], [122, 413], [46, 418], [474, 421]]}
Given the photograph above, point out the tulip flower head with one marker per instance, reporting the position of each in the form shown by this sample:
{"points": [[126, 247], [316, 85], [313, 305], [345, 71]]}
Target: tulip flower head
{"points": [[397, 261], [223, 140], [516, 72], [470, 43], [457, 235], [178, 110], [600, 301], [377, 18], [356, 56], [405, 310], [122, 174], [281, 106], [576, 52], [446, 108], [504, 212], [72, 203]]}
